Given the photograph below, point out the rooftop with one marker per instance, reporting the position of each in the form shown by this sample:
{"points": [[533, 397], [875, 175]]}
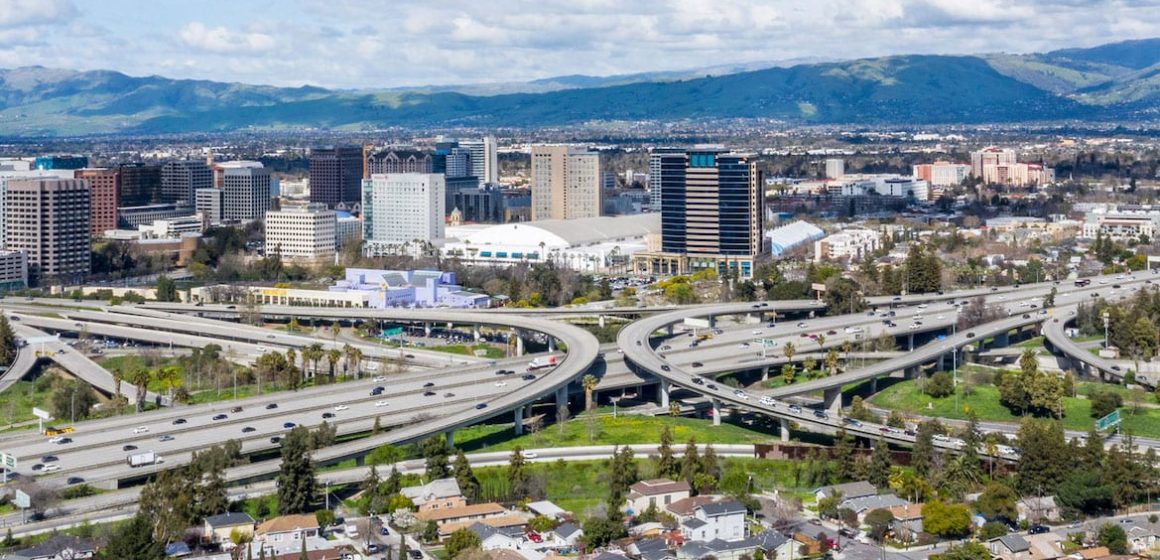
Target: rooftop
{"points": [[230, 519], [658, 486], [490, 508]]}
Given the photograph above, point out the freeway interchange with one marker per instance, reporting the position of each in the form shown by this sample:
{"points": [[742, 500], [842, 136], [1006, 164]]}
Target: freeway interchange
{"points": [[441, 394]]}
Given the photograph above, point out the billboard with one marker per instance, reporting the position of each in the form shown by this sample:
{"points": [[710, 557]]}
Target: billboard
{"points": [[22, 500], [42, 414], [697, 323]]}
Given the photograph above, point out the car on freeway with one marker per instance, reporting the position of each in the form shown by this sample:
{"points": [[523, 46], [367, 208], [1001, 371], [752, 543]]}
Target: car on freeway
{"points": [[1026, 316], [165, 437], [272, 406], [429, 394], [269, 336], [236, 409], [429, 384], [409, 356], [743, 345], [49, 459], [276, 439], [970, 335], [64, 441], [766, 400], [220, 417], [500, 384], [528, 377], [448, 395], [711, 386], [141, 429], [55, 439], [795, 409], [51, 468], [289, 425], [379, 379], [818, 413], [481, 406], [528, 454], [666, 347], [831, 332], [698, 381], [249, 430], [38, 467], [852, 422], [327, 415], [666, 367], [377, 391], [697, 364], [801, 325], [382, 403], [341, 407], [128, 447], [740, 394], [74, 480]]}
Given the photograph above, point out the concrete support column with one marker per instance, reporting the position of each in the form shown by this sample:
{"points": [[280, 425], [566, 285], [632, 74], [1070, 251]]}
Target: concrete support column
{"points": [[519, 344], [784, 423], [1002, 339], [716, 412], [832, 400], [669, 330], [663, 393], [561, 404], [519, 420], [601, 319], [765, 373], [475, 332], [449, 435], [942, 362], [427, 330], [551, 344], [874, 385], [910, 342]]}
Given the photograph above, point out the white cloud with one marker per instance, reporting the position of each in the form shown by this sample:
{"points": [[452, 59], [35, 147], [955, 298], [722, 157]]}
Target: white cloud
{"points": [[14, 13], [224, 41]]}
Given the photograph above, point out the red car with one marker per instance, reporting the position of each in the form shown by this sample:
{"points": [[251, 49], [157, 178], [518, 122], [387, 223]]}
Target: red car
{"points": [[535, 537]]}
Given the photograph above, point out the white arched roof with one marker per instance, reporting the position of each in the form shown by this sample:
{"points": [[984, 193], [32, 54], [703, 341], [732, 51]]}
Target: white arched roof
{"points": [[560, 234], [789, 236]]}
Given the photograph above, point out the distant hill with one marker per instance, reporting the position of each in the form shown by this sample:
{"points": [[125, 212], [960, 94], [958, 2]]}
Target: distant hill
{"points": [[1111, 82]]}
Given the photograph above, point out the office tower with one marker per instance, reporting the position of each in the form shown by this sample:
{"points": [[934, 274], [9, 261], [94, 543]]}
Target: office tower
{"points": [[663, 164], [481, 205], [208, 203], [48, 218], [61, 162], [835, 168], [711, 215], [303, 234], [402, 208], [140, 184], [484, 159], [103, 187], [245, 193], [335, 174], [181, 179], [458, 163], [453, 185], [397, 161], [565, 183]]}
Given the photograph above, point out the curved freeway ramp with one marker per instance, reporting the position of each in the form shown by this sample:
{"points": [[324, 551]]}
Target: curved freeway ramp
{"points": [[1056, 335]]}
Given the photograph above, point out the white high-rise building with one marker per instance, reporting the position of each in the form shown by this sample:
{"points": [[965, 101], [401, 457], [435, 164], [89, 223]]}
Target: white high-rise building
{"points": [[402, 208], [484, 159], [835, 168], [565, 183], [302, 234]]}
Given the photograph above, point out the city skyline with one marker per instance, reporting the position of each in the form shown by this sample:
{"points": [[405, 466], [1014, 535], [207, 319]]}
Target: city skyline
{"points": [[462, 43]]}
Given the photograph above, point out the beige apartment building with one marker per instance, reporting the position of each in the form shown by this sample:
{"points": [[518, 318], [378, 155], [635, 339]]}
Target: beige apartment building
{"points": [[48, 218], [565, 183]]}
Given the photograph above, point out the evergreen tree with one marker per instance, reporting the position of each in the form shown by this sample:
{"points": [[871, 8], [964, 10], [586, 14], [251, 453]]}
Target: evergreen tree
{"points": [[435, 453], [666, 463], [1042, 452], [371, 483], [844, 455], [518, 474], [709, 464], [133, 541], [296, 484], [7, 341], [691, 462], [166, 289], [879, 471], [970, 452], [922, 455], [465, 476], [394, 482]]}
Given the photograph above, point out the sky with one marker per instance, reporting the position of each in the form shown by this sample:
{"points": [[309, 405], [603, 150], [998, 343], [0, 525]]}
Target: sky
{"points": [[393, 43]]}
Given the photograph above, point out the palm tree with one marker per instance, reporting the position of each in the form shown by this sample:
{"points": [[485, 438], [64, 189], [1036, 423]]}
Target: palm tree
{"points": [[332, 357], [347, 350], [170, 376], [821, 340], [832, 361], [789, 350], [588, 382], [118, 377], [357, 356], [316, 354], [140, 380]]}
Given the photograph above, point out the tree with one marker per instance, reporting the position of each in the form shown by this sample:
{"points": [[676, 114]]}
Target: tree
{"points": [[1113, 536], [922, 455], [691, 463], [435, 453], [622, 475], [879, 471], [858, 410], [1086, 491], [967, 551], [7, 341], [946, 520], [518, 475], [844, 455], [1104, 402], [133, 541], [589, 383], [296, 484], [599, 531], [997, 503], [787, 373], [166, 289], [992, 529], [1043, 450], [465, 476], [666, 464], [461, 540], [939, 385], [843, 296], [73, 400], [878, 521], [831, 362], [788, 350]]}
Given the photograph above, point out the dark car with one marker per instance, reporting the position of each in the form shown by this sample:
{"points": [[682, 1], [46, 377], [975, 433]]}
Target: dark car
{"points": [[1026, 316], [429, 394], [831, 331], [236, 409], [179, 421], [821, 414], [49, 459], [38, 467], [272, 406], [248, 429], [528, 377], [74, 480], [276, 439], [289, 425], [327, 415], [448, 395], [479, 406], [666, 367], [970, 335], [220, 417], [1037, 529], [698, 381], [383, 530], [129, 447], [64, 441], [697, 364], [429, 384], [377, 391], [409, 356], [415, 554], [711, 386], [852, 421]]}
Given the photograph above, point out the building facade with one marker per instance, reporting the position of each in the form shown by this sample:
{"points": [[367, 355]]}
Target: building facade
{"points": [[140, 184], [208, 203], [245, 193], [942, 173], [664, 164], [400, 209], [399, 161], [180, 180], [484, 158], [13, 270], [565, 183], [61, 162], [852, 244], [134, 216], [48, 219], [103, 187], [304, 234], [335, 174]]}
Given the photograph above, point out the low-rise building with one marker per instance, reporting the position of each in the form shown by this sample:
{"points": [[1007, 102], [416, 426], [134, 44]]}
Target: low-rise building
{"points": [[1045, 546], [58, 547], [221, 528], [302, 234], [451, 519], [1037, 509], [409, 288], [852, 244], [716, 520], [866, 504], [13, 270], [286, 529], [442, 493], [847, 491], [907, 517], [172, 228], [655, 493], [1009, 547]]}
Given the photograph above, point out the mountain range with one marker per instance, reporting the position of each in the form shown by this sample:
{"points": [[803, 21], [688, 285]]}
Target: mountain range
{"points": [[1114, 82]]}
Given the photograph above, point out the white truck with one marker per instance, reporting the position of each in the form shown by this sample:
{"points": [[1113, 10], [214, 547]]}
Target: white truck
{"points": [[542, 362], [141, 459]]}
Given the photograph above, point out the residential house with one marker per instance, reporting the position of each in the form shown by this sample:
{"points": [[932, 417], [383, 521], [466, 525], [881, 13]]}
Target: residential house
{"points": [[1142, 536], [811, 545], [907, 517], [683, 509], [847, 491], [317, 548], [778, 546], [58, 547], [490, 514], [568, 533], [286, 529], [492, 538], [548, 509], [1009, 547], [724, 520], [441, 493], [717, 548], [651, 549], [1045, 546], [647, 529], [1037, 510], [1094, 553], [220, 528], [865, 504], [656, 493]]}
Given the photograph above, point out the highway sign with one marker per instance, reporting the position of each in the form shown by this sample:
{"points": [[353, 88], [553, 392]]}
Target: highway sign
{"points": [[396, 331], [23, 500], [697, 323], [1112, 419], [8, 461], [42, 414]]}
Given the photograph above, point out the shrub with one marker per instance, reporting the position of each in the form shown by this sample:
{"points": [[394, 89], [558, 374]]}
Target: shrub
{"points": [[940, 385]]}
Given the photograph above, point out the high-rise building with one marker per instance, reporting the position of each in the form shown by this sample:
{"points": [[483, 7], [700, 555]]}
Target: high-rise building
{"points": [[103, 187], [304, 234], [565, 183], [484, 158], [208, 203], [61, 162], [712, 215], [335, 174], [48, 218], [835, 168], [402, 208], [988, 157], [140, 184], [245, 193], [668, 163], [398, 161], [458, 163], [181, 179]]}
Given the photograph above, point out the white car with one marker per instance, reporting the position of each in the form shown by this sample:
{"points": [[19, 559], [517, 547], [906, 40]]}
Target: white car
{"points": [[382, 403], [741, 394], [141, 429], [341, 407], [528, 454], [922, 306], [56, 439], [768, 401], [379, 379], [51, 468], [500, 384]]}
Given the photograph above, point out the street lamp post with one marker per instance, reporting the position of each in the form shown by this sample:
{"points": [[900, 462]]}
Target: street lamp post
{"points": [[1107, 318]]}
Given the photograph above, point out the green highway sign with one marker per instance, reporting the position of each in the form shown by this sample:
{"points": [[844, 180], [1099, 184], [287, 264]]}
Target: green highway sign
{"points": [[1112, 419]]}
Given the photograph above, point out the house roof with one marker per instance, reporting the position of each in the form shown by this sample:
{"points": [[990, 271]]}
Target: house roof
{"points": [[1095, 552], [1038, 503], [566, 530], [685, 506], [694, 523], [848, 490], [498, 522], [724, 507], [56, 544], [177, 550], [546, 508], [287, 523], [434, 490], [866, 503], [907, 512], [651, 544], [490, 508], [1045, 546], [231, 519], [484, 531], [701, 549], [658, 486], [1014, 543], [769, 539]]}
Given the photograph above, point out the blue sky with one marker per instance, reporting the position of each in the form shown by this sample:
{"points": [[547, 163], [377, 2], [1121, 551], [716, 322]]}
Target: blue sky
{"points": [[390, 43]]}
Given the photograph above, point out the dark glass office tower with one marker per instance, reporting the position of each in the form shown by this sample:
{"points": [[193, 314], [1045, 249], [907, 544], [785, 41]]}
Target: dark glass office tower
{"points": [[336, 175]]}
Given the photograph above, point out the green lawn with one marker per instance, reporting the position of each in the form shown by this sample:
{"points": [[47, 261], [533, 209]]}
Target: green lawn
{"points": [[606, 430], [984, 401], [1036, 342], [16, 403], [489, 350]]}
